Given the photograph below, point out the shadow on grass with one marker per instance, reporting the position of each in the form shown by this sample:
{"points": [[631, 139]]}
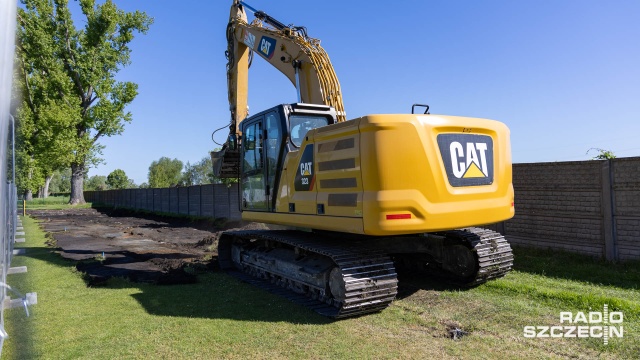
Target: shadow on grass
{"points": [[549, 263], [218, 295], [411, 281], [576, 267], [214, 296]]}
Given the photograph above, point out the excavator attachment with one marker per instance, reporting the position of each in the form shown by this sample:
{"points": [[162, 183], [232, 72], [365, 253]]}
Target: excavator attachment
{"points": [[226, 163]]}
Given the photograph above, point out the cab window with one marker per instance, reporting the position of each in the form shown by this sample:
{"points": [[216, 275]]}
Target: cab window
{"points": [[273, 143], [253, 148], [300, 125]]}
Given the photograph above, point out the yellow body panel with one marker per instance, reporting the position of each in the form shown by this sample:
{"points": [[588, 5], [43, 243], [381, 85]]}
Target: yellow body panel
{"points": [[386, 175]]}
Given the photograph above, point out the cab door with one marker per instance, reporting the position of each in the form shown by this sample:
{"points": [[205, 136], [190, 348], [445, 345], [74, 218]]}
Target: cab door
{"points": [[254, 189]]}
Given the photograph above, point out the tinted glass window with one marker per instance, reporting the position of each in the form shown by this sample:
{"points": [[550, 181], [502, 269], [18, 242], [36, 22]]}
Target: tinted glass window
{"points": [[300, 125], [274, 139], [253, 147]]}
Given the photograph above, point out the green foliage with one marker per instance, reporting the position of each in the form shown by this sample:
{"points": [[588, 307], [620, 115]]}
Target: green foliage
{"points": [[603, 154], [117, 179], [165, 173], [60, 202], [29, 176], [96, 183], [68, 79], [61, 181], [226, 181], [199, 173]]}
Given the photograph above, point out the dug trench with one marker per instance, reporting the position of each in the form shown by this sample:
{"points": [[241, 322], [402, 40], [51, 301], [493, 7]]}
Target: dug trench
{"points": [[106, 243]]}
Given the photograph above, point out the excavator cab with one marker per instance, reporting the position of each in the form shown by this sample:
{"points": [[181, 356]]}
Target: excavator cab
{"points": [[267, 138]]}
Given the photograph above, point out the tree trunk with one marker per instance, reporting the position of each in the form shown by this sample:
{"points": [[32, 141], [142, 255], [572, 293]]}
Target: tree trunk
{"points": [[28, 194], [47, 181], [40, 193], [77, 184]]}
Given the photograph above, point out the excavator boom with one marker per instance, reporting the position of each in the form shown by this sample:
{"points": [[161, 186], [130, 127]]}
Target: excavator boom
{"points": [[287, 48]]}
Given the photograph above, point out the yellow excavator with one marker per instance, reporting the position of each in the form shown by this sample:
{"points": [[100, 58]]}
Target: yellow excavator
{"points": [[365, 195]]}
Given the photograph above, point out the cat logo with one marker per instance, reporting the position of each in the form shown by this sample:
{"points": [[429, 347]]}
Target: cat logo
{"points": [[470, 166], [305, 169], [267, 46], [468, 158], [305, 179]]}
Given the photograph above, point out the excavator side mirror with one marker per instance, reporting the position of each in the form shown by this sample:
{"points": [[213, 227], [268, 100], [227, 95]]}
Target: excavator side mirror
{"points": [[233, 141]]}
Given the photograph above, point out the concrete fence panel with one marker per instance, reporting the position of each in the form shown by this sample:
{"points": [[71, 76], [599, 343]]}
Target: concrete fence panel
{"points": [[174, 206], [206, 201], [164, 200], [221, 201], [194, 195], [156, 200], [234, 203], [589, 207], [625, 181], [183, 200]]}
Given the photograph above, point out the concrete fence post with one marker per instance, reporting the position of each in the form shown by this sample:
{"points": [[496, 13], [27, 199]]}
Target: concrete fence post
{"points": [[213, 201], [610, 250]]}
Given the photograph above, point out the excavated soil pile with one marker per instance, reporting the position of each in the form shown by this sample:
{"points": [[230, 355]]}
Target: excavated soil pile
{"points": [[142, 248]]}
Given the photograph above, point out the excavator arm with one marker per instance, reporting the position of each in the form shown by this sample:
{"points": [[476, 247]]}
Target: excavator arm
{"points": [[287, 48]]}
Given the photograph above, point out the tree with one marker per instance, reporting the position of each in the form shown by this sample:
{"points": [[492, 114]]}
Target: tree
{"points": [[603, 154], [96, 183], [199, 173], [61, 181], [77, 68], [189, 175], [28, 174], [117, 179], [41, 120], [165, 172]]}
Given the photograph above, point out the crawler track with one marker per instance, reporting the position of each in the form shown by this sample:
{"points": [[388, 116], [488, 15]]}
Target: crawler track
{"points": [[368, 276], [494, 256]]}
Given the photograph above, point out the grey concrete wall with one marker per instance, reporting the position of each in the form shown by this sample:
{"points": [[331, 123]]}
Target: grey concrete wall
{"points": [[588, 207], [200, 200]]}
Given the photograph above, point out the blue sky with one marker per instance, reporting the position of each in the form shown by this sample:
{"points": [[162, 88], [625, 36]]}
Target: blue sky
{"points": [[564, 75]]}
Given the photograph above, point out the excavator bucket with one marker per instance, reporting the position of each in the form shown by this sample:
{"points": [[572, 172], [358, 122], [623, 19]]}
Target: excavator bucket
{"points": [[226, 163]]}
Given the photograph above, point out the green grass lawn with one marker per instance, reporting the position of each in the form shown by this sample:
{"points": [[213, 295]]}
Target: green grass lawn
{"points": [[220, 317], [51, 202]]}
